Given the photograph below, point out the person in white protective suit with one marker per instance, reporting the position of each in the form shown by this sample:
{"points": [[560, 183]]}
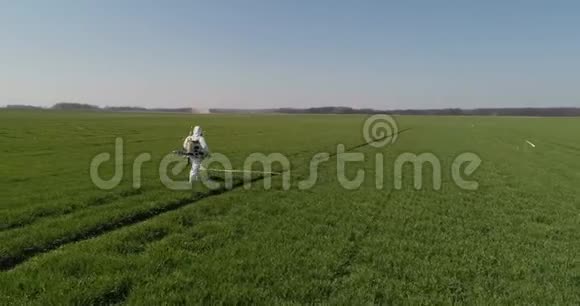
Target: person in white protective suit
{"points": [[196, 150]]}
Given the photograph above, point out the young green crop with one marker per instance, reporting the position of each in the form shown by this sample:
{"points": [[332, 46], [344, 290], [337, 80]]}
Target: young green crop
{"points": [[513, 240]]}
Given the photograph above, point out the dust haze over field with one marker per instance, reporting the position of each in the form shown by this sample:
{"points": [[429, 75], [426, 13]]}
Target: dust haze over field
{"points": [[512, 240]]}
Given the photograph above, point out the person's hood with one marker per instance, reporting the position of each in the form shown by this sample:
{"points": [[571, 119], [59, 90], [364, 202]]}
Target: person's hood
{"points": [[197, 132]]}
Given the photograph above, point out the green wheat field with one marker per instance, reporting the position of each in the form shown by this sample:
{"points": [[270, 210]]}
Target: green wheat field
{"points": [[514, 240]]}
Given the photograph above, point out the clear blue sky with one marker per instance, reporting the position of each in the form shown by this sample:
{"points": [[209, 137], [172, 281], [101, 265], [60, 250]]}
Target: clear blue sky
{"points": [[380, 54]]}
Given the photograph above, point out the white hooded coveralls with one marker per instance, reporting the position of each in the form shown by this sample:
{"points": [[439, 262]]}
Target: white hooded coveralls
{"points": [[197, 150]]}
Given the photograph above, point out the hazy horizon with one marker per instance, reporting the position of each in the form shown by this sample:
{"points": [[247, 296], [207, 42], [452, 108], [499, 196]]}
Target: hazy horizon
{"points": [[261, 54], [202, 109]]}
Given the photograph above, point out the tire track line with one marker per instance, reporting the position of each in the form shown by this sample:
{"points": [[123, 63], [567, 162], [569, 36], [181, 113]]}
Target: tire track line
{"points": [[351, 252], [12, 261], [63, 210]]}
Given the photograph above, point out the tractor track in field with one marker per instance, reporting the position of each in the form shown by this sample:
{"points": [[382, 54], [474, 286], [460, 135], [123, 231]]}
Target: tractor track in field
{"points": [[58, 211], [573, 149], [350, 252], [10, 262], [116, 296]]}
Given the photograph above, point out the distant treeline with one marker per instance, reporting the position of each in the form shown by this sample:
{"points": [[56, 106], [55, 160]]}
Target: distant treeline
{"points": [[18, 106], [551, 111], [529, 111], [89, 107]]}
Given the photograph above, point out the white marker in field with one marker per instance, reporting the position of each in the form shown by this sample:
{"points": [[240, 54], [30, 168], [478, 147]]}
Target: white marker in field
{"points": [[531, 144]]}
